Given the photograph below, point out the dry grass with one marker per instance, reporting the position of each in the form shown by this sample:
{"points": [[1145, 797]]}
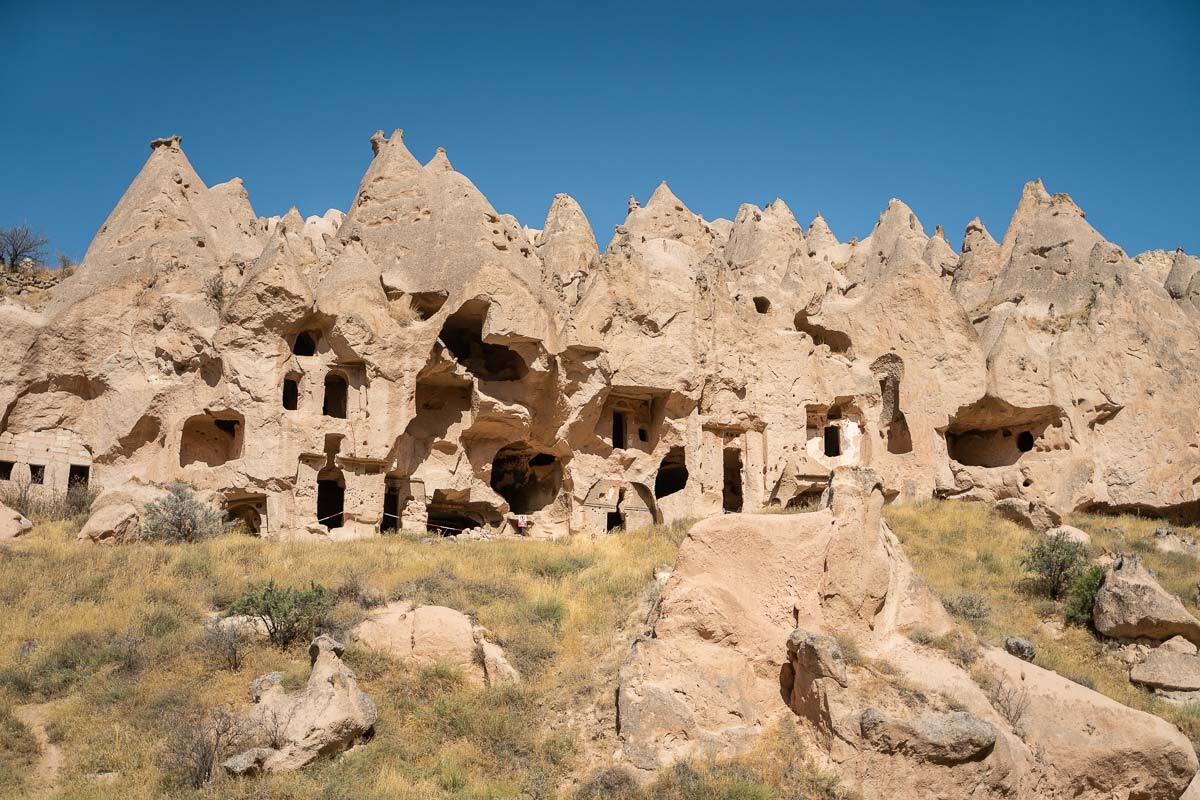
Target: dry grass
{"points": [[115, 633], [963, 550]]}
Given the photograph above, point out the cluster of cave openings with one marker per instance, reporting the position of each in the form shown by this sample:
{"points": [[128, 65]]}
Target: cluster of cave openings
{"points": [[630, 416], [211, 439], [462, 334], [291, 392], [992, 433], [731, 489], [672, 474], [836, 341], [331, 498], [527, 479], [305, 343], [337, 391]]}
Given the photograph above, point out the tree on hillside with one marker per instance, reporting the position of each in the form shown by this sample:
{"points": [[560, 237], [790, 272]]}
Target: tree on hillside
{"points": [[21, 242]]}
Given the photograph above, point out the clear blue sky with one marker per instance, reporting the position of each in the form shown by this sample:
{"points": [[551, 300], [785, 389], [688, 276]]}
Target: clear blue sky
{"points": [[950, 106]]}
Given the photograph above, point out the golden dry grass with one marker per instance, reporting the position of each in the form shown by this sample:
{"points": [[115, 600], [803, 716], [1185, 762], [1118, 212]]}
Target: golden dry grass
{"points": [[111, 635], [964, 549]]}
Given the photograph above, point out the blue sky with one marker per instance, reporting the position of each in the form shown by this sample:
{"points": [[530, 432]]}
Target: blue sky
{"points": [[832, 106]]}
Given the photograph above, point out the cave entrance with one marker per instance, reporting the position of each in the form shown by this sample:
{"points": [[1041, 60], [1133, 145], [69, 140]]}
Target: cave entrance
{"points": [[331, 498], [833, 441], [291, 393], [527, 479], [672, 473], [993, 433], [618, 430], [731, 491], [305, 343], [78, 475], [462, 334], [336, 393], [247, 511], [6, 468], [391, 507], [447, 516], [210, 440], [836, 341]]}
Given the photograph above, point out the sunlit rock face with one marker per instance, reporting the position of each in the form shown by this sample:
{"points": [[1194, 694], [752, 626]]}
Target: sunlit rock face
{"points": [[422, 361]]}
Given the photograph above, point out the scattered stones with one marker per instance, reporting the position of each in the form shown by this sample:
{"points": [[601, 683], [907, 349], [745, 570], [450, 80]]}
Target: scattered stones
{"points": [[1072, 533], [1131, 605], [1021, 648], [1167, 669]]}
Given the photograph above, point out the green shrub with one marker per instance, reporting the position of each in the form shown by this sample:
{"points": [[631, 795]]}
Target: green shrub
{"points": [[1055, 561], [287, 613], [609, 783], [180, 517], [1082, 596]]}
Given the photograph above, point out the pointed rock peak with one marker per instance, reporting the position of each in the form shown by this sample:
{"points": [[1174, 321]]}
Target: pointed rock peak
{"points": [[976, 234], [292, 220], [168, 142], [939, 232], [780, 210], [747, 211], [898, 214], [820, 229], [1035, 189], [633, 205], [440, 162], [378, 140], [664, 196]]}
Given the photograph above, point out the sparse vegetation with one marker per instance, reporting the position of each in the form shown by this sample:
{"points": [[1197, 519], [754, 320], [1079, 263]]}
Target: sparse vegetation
{"points": [[21, 244], [1011, 701], [216, 291], [962, 547], [197, 740], [1055, 561], [287, 613], [564, 612], [180, 517], [46, 504], [1082, 596]]}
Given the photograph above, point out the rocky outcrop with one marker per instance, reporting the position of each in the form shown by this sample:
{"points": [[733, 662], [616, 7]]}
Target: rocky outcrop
{"points": [[330, 716], [429, 635], [708, 678], [1131, 605]]}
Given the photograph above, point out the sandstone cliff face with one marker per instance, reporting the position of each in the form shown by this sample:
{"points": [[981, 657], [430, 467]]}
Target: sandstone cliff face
{"points": [[424, 361]]}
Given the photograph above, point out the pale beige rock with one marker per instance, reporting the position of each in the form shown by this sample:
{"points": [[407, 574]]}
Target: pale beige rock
{"points": [[1165, 669], [12, 524], [1130, 604], [112, 524], [330, 716], [1071, 533], [1029, 514]]}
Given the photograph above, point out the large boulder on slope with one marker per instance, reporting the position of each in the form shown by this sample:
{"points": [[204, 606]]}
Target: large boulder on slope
{"points": [[1132, 605], [12, 524]]}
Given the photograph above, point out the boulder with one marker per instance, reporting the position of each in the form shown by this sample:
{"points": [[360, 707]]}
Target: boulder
{"points": [[1036, 516], [949, 738], [12, 524], [1131, 605], [1021, 648], [330, 716], [1169, 540], [1072, 533], [113, 524], [1166, 669], [429, 635]]}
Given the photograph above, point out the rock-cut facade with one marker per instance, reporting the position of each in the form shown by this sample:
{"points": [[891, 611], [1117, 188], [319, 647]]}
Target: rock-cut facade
{"points": [[424, 362]]}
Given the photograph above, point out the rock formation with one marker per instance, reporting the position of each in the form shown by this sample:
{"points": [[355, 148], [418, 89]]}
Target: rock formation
{"points": [[750, 630], [423, 361]]}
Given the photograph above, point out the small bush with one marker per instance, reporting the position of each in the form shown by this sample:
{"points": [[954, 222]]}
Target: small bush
{"points": [[18, 751], [1055, 561], [216, 291], [225, 646], [1010, 701], [180, 517], [969, 606], [287, 613], [1082, 596], [197, 740], [609, 783], [921, 636]]}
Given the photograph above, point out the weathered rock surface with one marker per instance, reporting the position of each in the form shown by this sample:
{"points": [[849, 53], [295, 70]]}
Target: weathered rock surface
{"points": [[12, 524], [330, 716], [1165, 669], [422, 361], [724, 642], [1019, 647], [429, 635], [1131, 605]]}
